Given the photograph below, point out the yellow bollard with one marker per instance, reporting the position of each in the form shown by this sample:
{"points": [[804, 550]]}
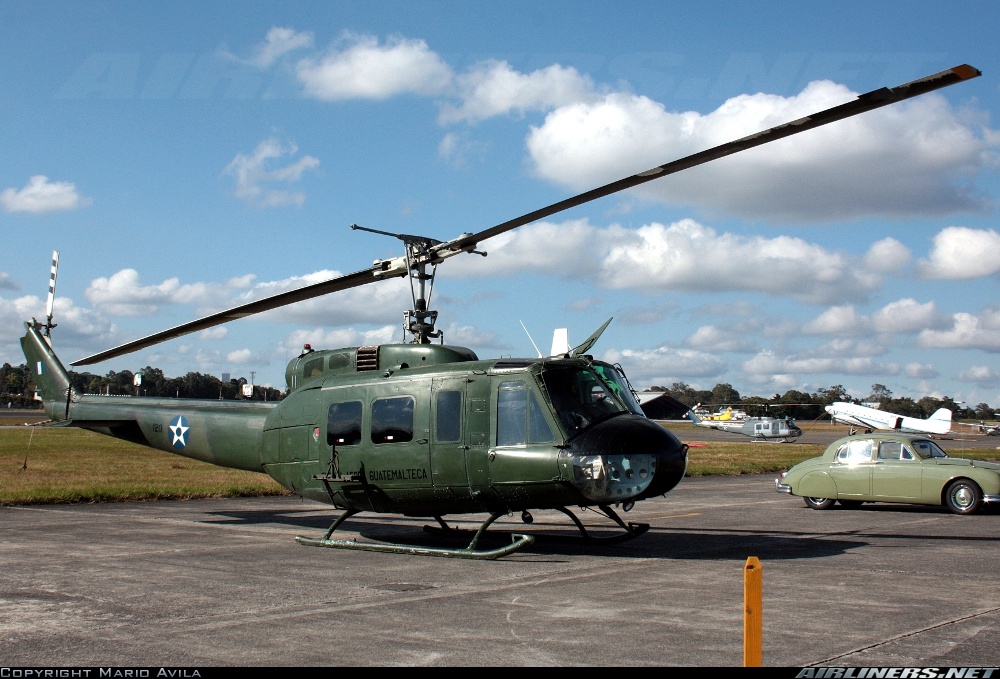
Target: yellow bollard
{"points": [[753, 589]]}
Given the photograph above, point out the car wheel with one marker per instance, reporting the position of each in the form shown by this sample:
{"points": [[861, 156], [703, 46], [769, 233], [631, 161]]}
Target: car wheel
{"points": [[963, 497], [818, 502], [850, 504]]}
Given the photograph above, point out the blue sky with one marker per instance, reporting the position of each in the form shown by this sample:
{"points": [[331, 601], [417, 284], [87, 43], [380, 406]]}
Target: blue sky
{"points": [[187, 157]]}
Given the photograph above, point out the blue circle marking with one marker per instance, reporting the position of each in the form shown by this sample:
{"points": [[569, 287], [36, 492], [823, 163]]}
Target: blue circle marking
{"points": [[179, 432]]}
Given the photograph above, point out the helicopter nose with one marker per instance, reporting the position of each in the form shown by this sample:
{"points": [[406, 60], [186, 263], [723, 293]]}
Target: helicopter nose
{"points": [[624, 458]]}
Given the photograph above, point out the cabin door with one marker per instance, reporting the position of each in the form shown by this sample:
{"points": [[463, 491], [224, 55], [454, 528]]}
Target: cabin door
{"points": [[448, 432]]}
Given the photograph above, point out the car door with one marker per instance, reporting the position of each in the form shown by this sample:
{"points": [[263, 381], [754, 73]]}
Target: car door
{"points": [[852, 470], [896, 475]]}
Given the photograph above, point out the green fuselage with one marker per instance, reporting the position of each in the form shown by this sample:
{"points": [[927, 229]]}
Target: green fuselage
{"points": [[424, 430]]}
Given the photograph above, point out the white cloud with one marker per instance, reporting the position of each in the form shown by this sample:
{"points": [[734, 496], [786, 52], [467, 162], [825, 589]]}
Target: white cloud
{"points": [[837, 320], [713, 339], [40, 195], [122, 294], [768, 363], [530, 248], [910, 158], [6, 283], [689, 256], [493, 88], [901, 317], [968, 331], [666, 364], [322, 338], [981, 374], [216, 333], [904, 316], [684, 256], [280, 41], [923, 371], [242, 357], [364, 304], [457, 149], [961, 253], [78, 328], [365, 69], [254, 174], [840, 347], [887, 256]]}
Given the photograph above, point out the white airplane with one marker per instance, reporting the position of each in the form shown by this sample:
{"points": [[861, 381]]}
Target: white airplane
{"points": [[873, 418]]}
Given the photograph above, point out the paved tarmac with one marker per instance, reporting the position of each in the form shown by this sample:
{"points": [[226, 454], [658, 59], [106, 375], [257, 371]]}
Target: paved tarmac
{"points": [[211, 583]]}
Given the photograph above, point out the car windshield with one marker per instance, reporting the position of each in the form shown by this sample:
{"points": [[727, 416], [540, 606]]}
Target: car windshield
{"points": [[925, 449]]}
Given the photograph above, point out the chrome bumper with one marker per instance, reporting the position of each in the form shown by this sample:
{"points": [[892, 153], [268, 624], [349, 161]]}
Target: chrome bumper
{"points": [[782, 488]]}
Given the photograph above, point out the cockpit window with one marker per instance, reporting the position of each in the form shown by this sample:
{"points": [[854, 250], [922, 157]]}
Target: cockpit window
{"points": [[580, 397], [618, 383], [519, 417]]}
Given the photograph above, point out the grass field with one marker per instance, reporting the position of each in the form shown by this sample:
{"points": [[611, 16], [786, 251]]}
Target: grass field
{"points": [[52, 465]]}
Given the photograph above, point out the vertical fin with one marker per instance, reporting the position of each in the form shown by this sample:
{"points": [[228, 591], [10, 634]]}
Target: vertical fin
{"points": [[52, 382]]}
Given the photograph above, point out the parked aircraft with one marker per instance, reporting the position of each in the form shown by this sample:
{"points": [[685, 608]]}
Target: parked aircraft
{"points": [[873, 418], [779, 429]]}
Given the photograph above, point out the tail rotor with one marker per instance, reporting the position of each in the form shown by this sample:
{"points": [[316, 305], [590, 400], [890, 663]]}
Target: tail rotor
{"points": [[52, 297]]}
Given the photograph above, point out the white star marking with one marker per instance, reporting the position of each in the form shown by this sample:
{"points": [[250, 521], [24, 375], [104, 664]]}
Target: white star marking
{"points": [[179, 430]]}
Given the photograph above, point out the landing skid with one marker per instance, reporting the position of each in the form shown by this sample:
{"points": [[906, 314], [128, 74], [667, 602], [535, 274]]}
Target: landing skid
{"points": [[471, 552], [631, 530]]}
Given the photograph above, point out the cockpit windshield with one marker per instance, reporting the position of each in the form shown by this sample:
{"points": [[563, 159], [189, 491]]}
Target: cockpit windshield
{"points": [[618, 383], [580, 397]]}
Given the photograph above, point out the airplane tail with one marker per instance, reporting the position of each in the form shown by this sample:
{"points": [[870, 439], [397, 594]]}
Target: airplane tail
{"points": [[694, 417], [52, 383], [941, 414]]}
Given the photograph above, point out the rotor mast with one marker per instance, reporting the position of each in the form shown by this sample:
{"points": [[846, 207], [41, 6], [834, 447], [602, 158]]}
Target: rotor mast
{"points": [[422, 253]]}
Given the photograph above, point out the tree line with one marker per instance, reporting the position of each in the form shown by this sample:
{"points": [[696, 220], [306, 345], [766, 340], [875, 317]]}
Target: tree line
{"points": [[805, 406], [17, 386]]}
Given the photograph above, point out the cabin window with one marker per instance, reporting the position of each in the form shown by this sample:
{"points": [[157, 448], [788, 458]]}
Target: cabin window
{"points": [[519, 417], [313, 368], [392, 420], [343, 424], [339, 361], [448, 421]]}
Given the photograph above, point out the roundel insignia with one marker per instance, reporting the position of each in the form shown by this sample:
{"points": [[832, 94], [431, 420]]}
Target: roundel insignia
{"points": [[179, 432]]}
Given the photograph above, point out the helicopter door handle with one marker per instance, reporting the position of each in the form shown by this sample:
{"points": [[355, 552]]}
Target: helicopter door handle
{"points": [[421, 441]]}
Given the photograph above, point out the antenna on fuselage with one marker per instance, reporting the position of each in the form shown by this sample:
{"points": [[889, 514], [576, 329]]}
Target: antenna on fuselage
{"points": [[537, 351]]}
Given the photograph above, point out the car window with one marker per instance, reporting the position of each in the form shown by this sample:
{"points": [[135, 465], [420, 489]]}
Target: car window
{"points": [[889, 450], [925, 448], [854, 452]]}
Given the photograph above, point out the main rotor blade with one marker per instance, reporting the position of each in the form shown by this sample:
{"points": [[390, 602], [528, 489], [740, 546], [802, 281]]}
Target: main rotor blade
{"points": [[865, 102], [345, 282]]}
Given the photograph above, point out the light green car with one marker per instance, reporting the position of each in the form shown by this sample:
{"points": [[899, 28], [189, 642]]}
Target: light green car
{"points": [[892, 468]]}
